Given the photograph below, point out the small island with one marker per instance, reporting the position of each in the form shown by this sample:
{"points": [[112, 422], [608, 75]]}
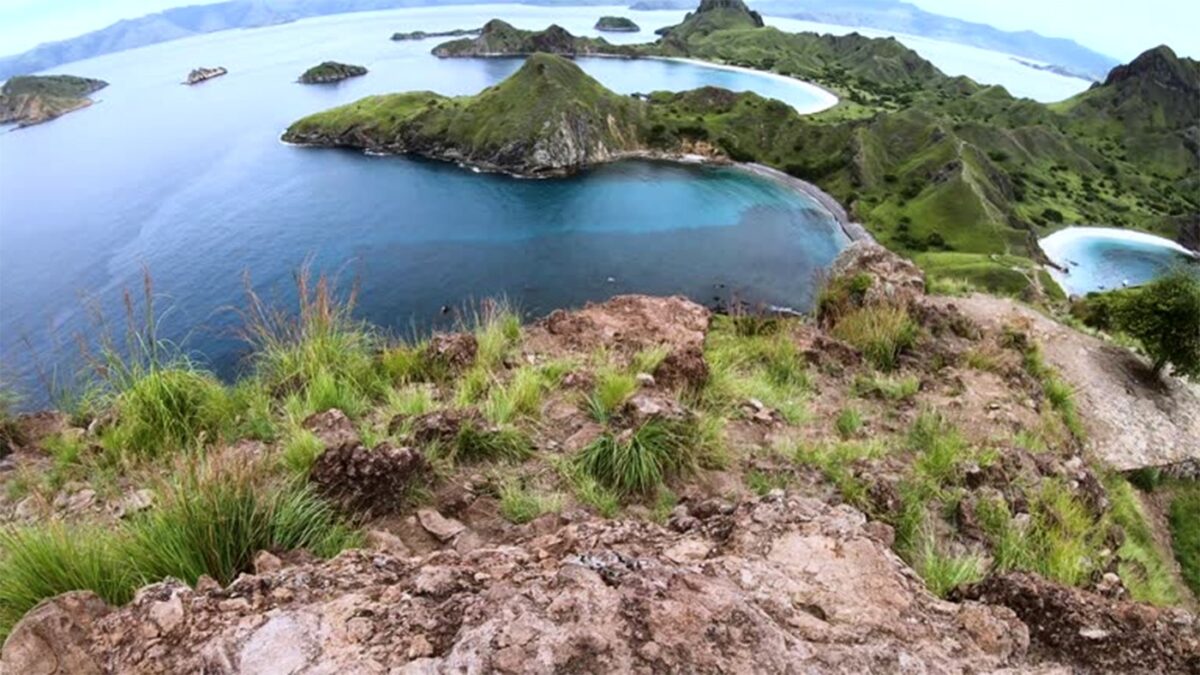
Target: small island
{"points": [[331, 71], [422, 35], [29, 100], [203, 74], [617, 24]]}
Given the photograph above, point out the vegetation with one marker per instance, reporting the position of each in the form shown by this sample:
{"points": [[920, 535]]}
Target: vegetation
{"points": [[638, 462], [32, 99], [1185, 531], [619, 24], [331, 71]]}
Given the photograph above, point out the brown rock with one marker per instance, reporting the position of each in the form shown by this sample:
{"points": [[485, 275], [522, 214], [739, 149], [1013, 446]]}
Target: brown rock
{"points": [[683, 369], [894, 279], [438, 525], [54, 637], [629, 323], [455, 351], [1094, 632], [442, 426], [646, 406], [266, 563], [333, 428], [368, 480]]}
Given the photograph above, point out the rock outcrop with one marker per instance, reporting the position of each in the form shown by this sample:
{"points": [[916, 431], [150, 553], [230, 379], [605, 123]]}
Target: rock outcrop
{"points": [[199, 75], [772, 586], [617, 24], [499, 38]]}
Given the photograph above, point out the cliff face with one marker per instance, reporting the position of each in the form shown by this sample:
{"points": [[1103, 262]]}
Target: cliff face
{"points": [[26, 101]]}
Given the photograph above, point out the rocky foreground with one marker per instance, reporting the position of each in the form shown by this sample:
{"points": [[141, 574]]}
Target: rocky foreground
{"points": [[777, 585], [790, 554]]}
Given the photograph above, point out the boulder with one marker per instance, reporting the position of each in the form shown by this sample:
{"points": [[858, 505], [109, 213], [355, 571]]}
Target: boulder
{"points": [[455, 351], [683, 369], [53, 638], [369, 480], [894, 280]]}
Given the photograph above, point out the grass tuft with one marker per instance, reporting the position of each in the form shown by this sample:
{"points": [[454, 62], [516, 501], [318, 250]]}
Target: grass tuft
{"points": [[640, 460], [520, 504], [613, 387], [881, 332]]}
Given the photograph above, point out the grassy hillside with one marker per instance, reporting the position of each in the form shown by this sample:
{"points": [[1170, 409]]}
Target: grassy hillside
{"points": [[36, 99], [501, 38]]}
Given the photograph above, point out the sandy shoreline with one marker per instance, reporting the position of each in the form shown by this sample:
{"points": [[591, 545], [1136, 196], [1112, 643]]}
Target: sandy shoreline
{"points": [[1056, 244], [825, 98]]}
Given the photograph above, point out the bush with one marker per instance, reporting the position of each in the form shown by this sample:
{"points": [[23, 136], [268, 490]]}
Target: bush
{"points": [[1164, 316], [880, 332], [170, 409], [638, 462]]}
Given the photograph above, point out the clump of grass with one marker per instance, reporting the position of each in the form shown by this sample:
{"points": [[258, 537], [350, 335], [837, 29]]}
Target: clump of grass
{"points": [[640, 460], [768, 368], [300, 452], [254, 412], [40, 562], [647, 360], [606, 502], [881, 332], [472, 386], [520, 504], [942, 572], [763, 482], [320, 353], [1062, 398], [497, 327], [836, 463], [842, 295], [950, 286], [941, 448], [1184, 518], [979, 358], [1142, 565], [521, 397], [474, 443], [166, 410], [848, 423], [613, 387], [211, 519], [891, 388], [1067, 536]]}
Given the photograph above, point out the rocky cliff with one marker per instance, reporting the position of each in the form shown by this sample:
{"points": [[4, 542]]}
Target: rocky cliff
{"points": [[30, 100]]}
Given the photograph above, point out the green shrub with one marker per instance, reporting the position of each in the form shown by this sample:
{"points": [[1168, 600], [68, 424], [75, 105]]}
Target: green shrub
{"points": [[612, 389], [168, 410], [880, 332], [1184, 518], [638, 462], [1164, 316], [890, 388], [848, 423], [214, 517], [519, 504]]}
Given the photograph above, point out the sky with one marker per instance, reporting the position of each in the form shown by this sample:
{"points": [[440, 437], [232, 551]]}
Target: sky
{"points": [[1119, 28]]}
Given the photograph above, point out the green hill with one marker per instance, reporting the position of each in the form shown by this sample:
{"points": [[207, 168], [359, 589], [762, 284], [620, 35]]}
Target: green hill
{"points": [[499, 38], [549, 117], [29, 100], [711, 16]]}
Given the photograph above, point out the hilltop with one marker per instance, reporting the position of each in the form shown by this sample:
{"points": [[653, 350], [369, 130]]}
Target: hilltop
{"points": [[499, 38], [548, 117], [26, 101]]}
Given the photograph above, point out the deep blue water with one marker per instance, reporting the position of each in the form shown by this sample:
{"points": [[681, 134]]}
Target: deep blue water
{"points": [[193, 184]]}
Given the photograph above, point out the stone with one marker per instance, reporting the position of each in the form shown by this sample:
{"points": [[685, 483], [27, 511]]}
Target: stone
{"points": [[372, 481], [53, 638], [333, 429], [266, 563], [444, 529], [683, 369]]}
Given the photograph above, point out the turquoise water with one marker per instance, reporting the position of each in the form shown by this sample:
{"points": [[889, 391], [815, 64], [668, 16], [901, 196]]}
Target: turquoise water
{"points": [[192, 184], [1104, 259]]}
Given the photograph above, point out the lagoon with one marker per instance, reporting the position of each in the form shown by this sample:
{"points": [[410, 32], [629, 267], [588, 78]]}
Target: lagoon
{"points": [[1104, 258], [192, 184]]}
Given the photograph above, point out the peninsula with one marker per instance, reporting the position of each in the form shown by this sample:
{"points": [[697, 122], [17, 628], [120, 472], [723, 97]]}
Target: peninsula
{"points": [[422, 35], [30, 100], [204, 74], [617, 24], [331, 71]]}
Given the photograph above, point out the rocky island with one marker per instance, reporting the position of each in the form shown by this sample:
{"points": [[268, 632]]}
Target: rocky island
{"points": [[617, 24], [203, 74], [422, 35], [498, 38], [329, 72], [33, 99]]}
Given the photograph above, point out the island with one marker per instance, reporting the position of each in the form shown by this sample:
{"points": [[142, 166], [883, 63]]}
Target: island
{"points": [[499, 38], [331, 71], [617, 24], [204, 74], [422, 35], [29, 100]]}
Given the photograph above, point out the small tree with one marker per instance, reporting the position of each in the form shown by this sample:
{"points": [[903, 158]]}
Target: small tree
{"points": [[1164, 316]]}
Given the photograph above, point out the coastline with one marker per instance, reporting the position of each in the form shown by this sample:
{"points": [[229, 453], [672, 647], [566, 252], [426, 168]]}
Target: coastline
{"points": [[826, 99], [1056, 248]]}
